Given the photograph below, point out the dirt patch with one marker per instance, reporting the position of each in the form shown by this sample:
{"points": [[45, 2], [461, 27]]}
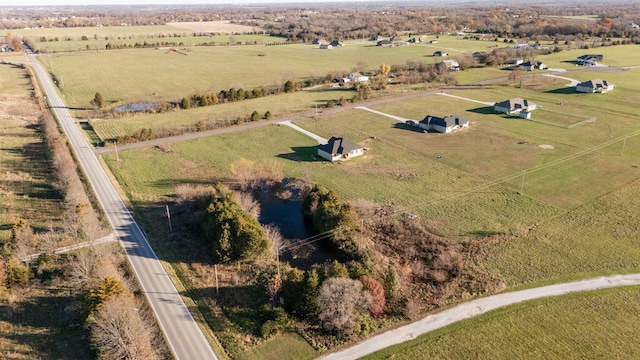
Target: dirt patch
{"points": [[546, 147], [216, 27]]}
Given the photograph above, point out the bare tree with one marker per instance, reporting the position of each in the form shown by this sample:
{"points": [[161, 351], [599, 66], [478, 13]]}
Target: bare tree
{"points": [[119, 332], [341, 300], [247, 202]]}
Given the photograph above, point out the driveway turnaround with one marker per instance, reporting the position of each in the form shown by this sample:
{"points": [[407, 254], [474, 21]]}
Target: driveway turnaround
{"points": [[474, 308], [180, 330]]}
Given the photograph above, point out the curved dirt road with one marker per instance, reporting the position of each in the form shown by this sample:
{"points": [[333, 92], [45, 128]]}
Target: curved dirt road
{"points": [[475, 308]]}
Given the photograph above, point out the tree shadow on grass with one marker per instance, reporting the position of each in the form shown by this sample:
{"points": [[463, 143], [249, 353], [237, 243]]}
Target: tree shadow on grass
{"points": [[51, 329]]}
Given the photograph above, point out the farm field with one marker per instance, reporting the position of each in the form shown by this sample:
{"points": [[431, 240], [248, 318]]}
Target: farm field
{"points": [[135, 75], [576, 326], [554, 196]]}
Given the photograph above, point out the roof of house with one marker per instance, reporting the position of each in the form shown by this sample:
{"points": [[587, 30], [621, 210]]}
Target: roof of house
{"points": [[451, 63], [337, 146], [515, 103], [447, 121], [594, 83], [591, 56]]}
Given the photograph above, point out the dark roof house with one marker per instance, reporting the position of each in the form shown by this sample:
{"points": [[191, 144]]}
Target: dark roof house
{"points": [[339, 149]]}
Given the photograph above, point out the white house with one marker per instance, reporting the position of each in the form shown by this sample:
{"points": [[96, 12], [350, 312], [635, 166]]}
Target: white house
{"points": [[339, 149], [520, 45], [440, 53], [594, 86], [326, 46], [514, 106], [355, 77], [443, 125]]}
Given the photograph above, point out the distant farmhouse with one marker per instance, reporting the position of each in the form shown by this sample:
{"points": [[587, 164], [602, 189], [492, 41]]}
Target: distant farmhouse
{"points": [[326, 46], [451, 65], [532, 65], [319, 42], [443, 125], [356, 77], [384, 43], [520, 45], [335, 43], [594, 86], [589, 59], [516, 106], [339, 149], [440, 53]]}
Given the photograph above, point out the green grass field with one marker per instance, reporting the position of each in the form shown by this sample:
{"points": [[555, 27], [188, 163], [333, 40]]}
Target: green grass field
{"points": [[147, 75], [593, 325], [565, 196]]}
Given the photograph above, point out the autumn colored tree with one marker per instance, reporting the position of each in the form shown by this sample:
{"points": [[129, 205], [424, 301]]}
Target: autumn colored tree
{"points": [[378, 300], [108, 288], [97, 101]]}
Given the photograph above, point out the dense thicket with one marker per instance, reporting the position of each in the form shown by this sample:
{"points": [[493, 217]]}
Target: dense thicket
{"points": [[233, 232]]}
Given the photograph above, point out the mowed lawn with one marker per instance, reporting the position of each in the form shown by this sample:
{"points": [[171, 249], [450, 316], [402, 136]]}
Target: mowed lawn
{"points": [[594, 325]]}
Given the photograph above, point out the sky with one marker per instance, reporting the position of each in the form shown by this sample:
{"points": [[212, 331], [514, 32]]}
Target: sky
{"points": [[158, 2]]}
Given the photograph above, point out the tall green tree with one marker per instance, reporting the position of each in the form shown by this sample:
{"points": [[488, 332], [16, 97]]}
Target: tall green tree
{"points": [[235, 234]]}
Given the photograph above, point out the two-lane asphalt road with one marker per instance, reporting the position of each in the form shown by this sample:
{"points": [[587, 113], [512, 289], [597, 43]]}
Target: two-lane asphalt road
{"points": [[181, 331]]}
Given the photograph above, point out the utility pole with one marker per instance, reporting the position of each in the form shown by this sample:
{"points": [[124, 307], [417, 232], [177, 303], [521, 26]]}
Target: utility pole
{"points": [[215, 268], [169, 218]]}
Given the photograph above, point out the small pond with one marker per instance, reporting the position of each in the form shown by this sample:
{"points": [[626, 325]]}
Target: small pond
{"points": [[135, 107], [287, 215]]}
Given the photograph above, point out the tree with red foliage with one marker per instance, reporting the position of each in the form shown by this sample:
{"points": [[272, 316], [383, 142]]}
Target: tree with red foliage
{"points": [[377, 292]]}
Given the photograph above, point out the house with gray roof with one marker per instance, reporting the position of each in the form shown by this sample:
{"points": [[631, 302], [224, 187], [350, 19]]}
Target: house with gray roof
{"points": [[339, 149], [594, 86], [445, 125], [514, 106]]}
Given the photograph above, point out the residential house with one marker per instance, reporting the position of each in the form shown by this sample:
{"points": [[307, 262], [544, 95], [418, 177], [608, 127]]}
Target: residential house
{"points": [[335, 43], [532, 65], [339, 149], [443, 125], [589, 59], [440, 53], [326, 46], [355, 77], [594, 86], [520, 45], [319, 42], [383, 43], [514, 106], [451, 65], [515, 61]]}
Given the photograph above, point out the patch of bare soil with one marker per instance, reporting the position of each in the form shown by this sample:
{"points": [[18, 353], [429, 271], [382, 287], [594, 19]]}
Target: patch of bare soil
{"points": [[546, 147], [216, 27]]}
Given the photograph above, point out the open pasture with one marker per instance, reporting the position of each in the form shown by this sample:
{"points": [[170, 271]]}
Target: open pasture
{"points": [[575, 326], [619, 55], [135, 75], [279, 106]]}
